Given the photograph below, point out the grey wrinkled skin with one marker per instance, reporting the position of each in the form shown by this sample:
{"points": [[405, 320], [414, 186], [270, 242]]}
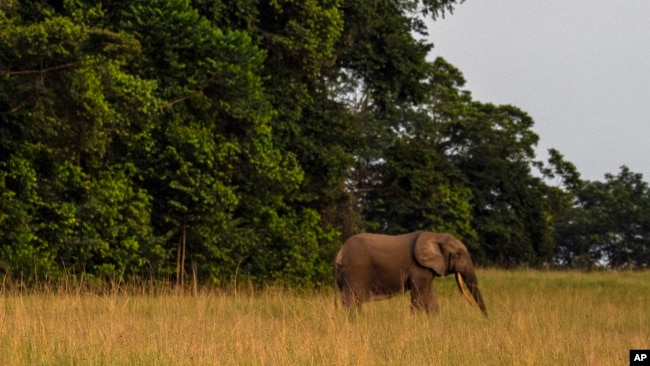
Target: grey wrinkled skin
{"points": [[373, 267]]}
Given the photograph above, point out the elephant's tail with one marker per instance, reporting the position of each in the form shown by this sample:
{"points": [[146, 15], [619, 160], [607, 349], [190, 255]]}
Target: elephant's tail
{"points": [[338, 278], [338, 271]]}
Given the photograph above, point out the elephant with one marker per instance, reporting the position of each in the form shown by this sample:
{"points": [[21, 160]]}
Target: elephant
{"points": [[374, 267]]}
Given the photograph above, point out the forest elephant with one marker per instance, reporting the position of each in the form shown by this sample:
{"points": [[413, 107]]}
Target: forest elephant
{"points": [[374, 267]]}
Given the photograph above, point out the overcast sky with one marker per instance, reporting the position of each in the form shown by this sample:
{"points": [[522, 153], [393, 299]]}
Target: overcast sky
{"points": [[580, 68]]}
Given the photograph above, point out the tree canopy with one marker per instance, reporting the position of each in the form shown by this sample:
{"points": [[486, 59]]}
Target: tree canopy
{"points": [[249, 138]]}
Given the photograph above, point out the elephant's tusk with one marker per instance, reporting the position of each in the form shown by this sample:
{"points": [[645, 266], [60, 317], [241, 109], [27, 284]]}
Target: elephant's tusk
{"points": [[461, 284]]}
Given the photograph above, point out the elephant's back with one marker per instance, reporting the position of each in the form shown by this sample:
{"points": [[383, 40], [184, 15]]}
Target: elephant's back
{"points": [[381, 240], [366, 246]]}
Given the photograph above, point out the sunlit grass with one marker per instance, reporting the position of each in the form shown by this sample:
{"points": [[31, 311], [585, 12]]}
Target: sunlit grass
{"points": [[536, 318]]}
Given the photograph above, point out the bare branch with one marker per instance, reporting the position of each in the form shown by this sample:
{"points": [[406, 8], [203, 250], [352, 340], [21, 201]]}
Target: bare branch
{"points": [[42, 71]]}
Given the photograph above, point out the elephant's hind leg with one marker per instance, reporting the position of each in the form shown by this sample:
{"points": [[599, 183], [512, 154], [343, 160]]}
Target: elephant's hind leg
{"points": [[352, 299]]}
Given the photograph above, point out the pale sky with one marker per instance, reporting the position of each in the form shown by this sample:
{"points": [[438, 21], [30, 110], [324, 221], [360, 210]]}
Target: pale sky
{"points": [[580, 68]]}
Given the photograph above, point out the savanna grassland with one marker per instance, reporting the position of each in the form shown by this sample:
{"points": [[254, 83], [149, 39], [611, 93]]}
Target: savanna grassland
{"points": [[536, 318]]}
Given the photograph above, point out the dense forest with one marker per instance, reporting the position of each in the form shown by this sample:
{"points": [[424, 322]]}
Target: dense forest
{"points": [[249, 138]]}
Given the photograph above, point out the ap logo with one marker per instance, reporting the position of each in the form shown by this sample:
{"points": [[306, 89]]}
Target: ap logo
{"points": [[639, 357]]}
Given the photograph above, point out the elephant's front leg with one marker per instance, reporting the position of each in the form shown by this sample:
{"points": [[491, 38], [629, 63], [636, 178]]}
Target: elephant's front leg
{"points": [[423, 297]]}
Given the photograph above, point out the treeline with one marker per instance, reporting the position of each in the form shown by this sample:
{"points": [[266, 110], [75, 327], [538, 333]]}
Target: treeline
{"points": [[249, 138]]}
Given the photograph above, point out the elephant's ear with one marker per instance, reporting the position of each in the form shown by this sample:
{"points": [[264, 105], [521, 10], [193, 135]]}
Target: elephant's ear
{"points": [[427, 253]]}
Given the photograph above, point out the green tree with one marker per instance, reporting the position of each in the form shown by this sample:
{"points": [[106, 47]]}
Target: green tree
{"points": [[220, 182], [608, 225], [247, 138], [483, 155], [67, 109], [408, 184]]}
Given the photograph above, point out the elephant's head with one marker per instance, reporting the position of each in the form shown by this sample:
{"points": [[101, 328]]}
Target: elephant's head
{"points": [[445, 255]]}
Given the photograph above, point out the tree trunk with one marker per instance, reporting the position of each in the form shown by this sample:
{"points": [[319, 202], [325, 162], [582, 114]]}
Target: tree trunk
{"points": [[180, 257]]}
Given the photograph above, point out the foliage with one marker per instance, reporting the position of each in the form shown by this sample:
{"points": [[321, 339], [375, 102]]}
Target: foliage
{"points": [[247, 139], [453, 164], [68, 107], [609, 225]]}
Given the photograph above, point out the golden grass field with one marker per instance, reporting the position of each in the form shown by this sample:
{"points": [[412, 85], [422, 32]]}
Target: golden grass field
{"points": [[536, 318]]}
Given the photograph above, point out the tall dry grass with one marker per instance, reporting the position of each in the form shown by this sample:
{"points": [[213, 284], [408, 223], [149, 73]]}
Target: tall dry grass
{"points": [[536, 318]]}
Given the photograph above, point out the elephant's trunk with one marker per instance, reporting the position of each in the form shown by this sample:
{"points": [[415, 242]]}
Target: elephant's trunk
{"points": [[472, 285]]}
